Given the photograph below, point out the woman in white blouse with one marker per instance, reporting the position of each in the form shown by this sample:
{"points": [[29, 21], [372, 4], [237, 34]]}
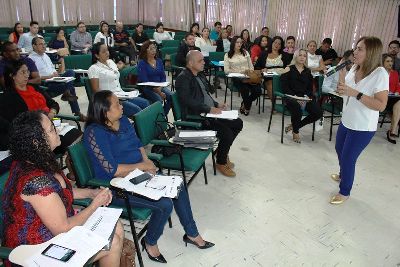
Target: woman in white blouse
{"points": [[104, 75], [238, 60], [204, 40], [314, 61], [365, 90], [160, 35], [104, 36]]}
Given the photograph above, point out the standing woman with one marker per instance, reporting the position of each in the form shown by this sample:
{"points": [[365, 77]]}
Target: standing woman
{"points": [[16, 33], [247, 43], [237, 60], [151, 69], [366, 87]]}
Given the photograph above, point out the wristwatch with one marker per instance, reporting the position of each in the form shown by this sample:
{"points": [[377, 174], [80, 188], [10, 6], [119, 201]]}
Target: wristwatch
{"points": [[359, 96]]}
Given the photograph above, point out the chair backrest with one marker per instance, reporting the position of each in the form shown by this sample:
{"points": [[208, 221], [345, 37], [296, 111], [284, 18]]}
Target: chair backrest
{"points": [[168, 51], [146, 122], [124, 75], [176, 107], [88, 88], [3, 180], [170, 43], [320, 82], [81, 163], [276, 84], [78, 61], [216, 56]]}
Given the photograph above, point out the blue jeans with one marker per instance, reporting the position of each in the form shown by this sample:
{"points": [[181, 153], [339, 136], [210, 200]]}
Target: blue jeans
{"points": [[152, 96], [349, 145], [56, 89], [160, 212], [134, 105]]}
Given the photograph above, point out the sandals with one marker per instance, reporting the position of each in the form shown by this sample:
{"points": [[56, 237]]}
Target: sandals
{"points": [[243, 110], [296, 138], [288, 128]]}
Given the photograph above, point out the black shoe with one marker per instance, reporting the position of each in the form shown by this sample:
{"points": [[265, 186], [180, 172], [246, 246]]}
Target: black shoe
{"points": [[67, 96], [187, 240], [390, 139], [160, 258]]}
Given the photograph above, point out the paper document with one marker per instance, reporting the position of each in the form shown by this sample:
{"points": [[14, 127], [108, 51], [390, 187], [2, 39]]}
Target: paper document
{"points": [[64, 128], [125, 95], [163, 84], [4, 154], [237, 75], [103, 221], [226, 114], [51, 51], [157, 187], [60, 79], [270, 73], [305, 98], [81, 71], [184, 134], [85, 242]]}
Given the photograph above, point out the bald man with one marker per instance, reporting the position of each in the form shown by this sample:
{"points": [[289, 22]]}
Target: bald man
{"points": [[124, 43], [193, 91]]}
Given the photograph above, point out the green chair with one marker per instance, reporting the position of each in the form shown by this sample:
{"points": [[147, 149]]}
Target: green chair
{"points": [[4, 251], [179, 36], [125, 74], [88, 88], [78, 62], [280, 107], [85, 178], [170, 43], [218, 56], [187, 159]]}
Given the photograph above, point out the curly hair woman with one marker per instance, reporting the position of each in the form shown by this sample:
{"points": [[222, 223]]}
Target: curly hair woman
{"points": [[38, 202]]}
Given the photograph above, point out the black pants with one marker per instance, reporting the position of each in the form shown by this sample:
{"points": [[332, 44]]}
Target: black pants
{"points": [[129, 50], [249, 92], [68, 139], [314, 113], [227, 130]]}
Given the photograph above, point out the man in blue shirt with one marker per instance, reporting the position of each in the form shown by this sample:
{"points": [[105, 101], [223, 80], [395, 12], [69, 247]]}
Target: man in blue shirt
{"points": [[214, 35], [25, 41]]}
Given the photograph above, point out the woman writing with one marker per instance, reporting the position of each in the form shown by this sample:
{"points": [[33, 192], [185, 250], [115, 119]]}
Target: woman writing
{"points": [[237, 60], [365, 91], [298, 82], [115, 151]]}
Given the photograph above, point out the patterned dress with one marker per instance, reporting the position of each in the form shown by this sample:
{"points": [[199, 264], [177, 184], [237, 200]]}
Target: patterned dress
{"points": [[22, 225]]}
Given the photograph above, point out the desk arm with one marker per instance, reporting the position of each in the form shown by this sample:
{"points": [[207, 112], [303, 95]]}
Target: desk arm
{"points": [[161, 142], [5, 252], [155, 156], [190, 124]]}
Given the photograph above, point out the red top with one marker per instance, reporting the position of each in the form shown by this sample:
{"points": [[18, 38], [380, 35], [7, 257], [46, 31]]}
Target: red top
{"points": [[394, 85], [22, 225], [33, 99], [255, 52], [15, 38]]}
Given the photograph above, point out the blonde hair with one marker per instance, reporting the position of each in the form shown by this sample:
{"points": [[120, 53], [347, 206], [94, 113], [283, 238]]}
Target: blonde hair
{"points": [[296, 54], [312, 41], [373, 57]]}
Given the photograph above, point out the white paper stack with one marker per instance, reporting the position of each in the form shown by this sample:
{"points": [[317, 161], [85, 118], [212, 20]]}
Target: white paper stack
{"points": [[127, 95], [4, 154], [60, 79], [305, 98], [64, 128], [237, 75], [270, 73], [161, 84], [226, 114], [157, 187]]}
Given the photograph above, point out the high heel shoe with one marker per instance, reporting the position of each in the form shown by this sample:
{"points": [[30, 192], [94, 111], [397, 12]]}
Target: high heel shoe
{"points": [[242, 109], [288, 128], [160, 258], [388, 135], [206, 245]]}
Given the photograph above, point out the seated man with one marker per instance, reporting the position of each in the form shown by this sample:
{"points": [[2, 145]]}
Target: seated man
{"points": [[81, 40], [124, 43], [25, 41], [330, 83], [11, 53], [186, 46], [47, 71], [328, 54], [193, 88]]}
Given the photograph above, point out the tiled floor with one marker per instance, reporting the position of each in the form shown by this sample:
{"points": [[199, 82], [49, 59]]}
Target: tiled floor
{"points": [[276, 211]]}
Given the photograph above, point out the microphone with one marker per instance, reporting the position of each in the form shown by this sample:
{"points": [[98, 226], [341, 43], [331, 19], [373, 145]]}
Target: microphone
{"points": [[337, 68]]}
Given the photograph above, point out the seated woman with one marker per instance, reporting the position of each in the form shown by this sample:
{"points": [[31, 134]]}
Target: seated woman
{"points": [[223, 43], [247, 43], [104, 75], [238, 60], [115, 151], [20, 97], [38, 202], [151, 69], [104, 36], [159, 35], [259, 46], [274, 59], [393, 103], [194, 29], [298, 82], [16, 33], [314, 62], [59, 43], [290, 46], [139, 36], [204, 40]]}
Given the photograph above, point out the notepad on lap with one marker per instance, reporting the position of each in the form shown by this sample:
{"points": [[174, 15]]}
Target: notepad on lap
{"points": [[163, 84], [225, 114]]}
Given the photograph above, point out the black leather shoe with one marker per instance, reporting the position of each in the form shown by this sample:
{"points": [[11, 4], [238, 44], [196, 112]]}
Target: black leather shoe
{"points": [[160, 258], [67, 96], [187, 240], [390, 139]]}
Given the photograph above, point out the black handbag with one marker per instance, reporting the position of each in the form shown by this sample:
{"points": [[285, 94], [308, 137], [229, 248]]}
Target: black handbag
{"points": [[166, 134]]}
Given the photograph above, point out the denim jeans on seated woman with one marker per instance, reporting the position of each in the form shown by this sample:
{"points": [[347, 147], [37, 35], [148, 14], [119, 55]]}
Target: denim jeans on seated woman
{"points": [[160, 212], [134, 105], [152, 96]]}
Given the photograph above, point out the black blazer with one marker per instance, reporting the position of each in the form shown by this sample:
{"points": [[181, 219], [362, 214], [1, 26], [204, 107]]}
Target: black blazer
{"points": [[262, 60], [295, 83], [183, 49], [220, 45], [190, 95]]}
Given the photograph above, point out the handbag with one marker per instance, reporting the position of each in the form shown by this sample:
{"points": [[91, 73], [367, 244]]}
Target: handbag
{"points": [[128, 254], [166, 134], [255, 77], [62, 52]]}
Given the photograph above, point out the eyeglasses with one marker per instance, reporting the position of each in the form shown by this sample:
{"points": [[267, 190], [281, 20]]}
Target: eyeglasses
{"points": [[24, 72], [151, 48]]}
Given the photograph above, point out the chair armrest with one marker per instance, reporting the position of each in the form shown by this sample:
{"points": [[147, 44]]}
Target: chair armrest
{"points": [[5, 252], [83, 202], [191, 124], [98, 183], [68, 117], [195, 117], [280, 94], [160, 142], [129, 88], [155, 156]]}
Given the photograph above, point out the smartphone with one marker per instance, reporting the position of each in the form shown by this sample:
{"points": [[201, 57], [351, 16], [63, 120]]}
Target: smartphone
{"points": [[58, 252], [141, 178]]}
